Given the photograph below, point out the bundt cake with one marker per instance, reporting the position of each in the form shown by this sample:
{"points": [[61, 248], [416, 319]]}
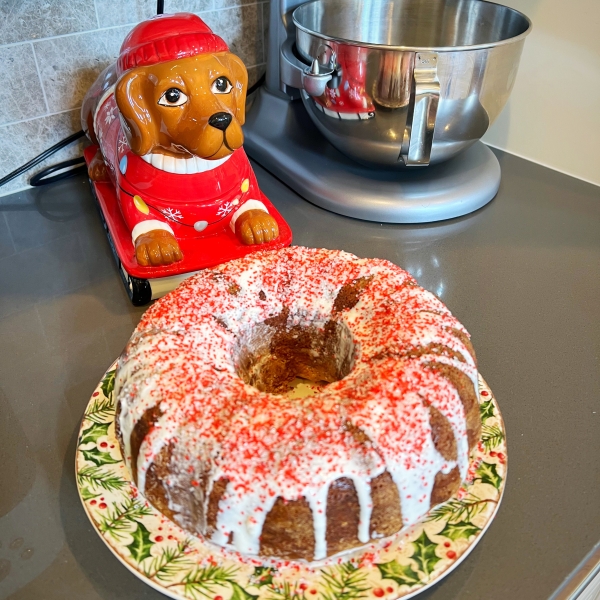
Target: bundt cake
{"points": [[214, 443]]}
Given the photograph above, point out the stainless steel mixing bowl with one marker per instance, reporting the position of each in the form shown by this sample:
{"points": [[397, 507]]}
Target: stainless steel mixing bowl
{"points": [[407, 82]]}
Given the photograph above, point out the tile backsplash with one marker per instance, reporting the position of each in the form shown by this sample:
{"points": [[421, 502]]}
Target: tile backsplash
{"points": [[52, 50]]}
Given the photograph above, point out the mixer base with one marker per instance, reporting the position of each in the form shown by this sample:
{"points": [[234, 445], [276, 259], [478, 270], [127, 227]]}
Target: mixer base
{"points": [[280, 136]]}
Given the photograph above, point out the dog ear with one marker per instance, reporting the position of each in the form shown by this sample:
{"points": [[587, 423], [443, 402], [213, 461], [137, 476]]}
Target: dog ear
{"points": [[134, 97], [240, 86]]}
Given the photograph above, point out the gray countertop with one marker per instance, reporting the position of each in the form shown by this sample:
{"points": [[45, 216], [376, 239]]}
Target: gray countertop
{"points": [[522, 274]]}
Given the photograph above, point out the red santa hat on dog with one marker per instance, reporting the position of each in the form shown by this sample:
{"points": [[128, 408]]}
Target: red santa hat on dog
{"points": [[167, 37]]}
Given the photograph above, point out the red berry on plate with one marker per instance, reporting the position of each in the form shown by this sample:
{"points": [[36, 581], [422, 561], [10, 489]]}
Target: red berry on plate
{"points": [[313, 591], [102, 505], [378, 592], [158, 538], [447, 544], [218, 597], [103, 444], [451, 554], [389, 590], [93, 502], [303, 586], [492, 453]]}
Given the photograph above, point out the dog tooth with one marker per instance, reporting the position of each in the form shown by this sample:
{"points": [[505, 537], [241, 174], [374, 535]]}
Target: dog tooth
{"points": [[157, 161], [169, 164], [200, 164], [180, 167], [147, 158], [190, 165]]}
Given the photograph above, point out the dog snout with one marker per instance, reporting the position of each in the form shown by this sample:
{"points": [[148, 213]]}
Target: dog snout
{"points": [[220, 120]]}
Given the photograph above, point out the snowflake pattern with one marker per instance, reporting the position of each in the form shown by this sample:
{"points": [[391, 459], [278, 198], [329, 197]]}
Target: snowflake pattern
{"points": [[122, 144], [225, 209], [110, 115], [172, 213]]}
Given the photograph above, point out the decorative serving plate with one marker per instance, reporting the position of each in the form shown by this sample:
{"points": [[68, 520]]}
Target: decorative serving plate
{"points": [[186, 567]]}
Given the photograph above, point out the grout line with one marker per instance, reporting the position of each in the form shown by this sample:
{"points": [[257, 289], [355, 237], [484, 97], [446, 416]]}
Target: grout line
{"points": [[37, 68], [262, 30], [542, 164], [96, 11], [60, 112], [65, 35], [100, 29]]}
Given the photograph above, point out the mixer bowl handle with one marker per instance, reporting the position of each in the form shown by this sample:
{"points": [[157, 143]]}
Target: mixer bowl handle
{"points": [[427, 96]]}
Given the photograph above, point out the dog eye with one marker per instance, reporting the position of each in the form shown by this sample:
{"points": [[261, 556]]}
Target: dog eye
{"points": [[173, 97], [221, 85]]}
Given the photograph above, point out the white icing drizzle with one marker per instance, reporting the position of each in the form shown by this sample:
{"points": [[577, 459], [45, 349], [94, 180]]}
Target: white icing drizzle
{"points": [[239, 514], [317, 500], [365, 504]]}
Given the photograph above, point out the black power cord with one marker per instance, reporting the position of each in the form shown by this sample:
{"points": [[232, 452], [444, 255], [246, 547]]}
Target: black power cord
{"points": [[43, 156]]}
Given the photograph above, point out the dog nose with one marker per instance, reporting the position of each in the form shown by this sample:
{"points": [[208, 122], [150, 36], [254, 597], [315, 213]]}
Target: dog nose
{"points": [[220, 120]]}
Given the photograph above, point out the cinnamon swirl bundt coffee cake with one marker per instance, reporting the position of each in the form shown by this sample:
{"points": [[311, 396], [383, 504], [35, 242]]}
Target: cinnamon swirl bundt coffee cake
{"points": [[215, 444]]}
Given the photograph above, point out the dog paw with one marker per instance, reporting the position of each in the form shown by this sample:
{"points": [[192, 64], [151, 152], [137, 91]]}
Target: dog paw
{"points": [[97, 170], [156, 248], [256, 227]]}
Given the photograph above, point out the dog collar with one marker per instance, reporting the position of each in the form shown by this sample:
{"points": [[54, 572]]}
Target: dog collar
{"points": [[183, 166]]}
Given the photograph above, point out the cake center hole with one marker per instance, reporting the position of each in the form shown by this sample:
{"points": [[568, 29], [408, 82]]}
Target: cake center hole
{"points": [[295, 360]]}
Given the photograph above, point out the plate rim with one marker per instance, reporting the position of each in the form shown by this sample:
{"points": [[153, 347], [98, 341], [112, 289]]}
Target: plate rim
{"points": [[330, 561]]}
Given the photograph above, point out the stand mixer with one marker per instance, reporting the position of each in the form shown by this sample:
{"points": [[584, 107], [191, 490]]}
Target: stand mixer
{"points": [[375, 109]]}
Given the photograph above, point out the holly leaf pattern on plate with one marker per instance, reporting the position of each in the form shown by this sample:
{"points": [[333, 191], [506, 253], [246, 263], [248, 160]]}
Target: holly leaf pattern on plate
{"points": [[239, 593], [424, 554], [108, 383], [487, 473], [94, 433], [262, 576], [486, 410], [456, 531], [401, 574], [98, 457], [87, 494], [140, 547]]}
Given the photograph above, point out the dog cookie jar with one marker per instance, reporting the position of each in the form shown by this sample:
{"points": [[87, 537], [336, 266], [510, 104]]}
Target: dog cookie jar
{"points": [[174, 184]]}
